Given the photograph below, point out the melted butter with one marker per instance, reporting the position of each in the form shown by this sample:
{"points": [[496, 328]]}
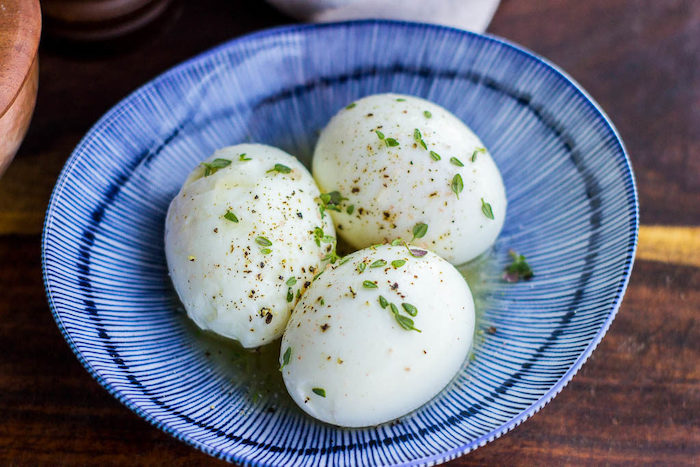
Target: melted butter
{"points": [[476, 273], [256, 373]]}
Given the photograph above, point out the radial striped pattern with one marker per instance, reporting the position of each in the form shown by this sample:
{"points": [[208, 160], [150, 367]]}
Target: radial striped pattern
{"points": [[572, 211]]}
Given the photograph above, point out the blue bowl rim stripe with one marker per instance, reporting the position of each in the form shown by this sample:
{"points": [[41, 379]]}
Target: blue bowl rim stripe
{"points": [[121, 106]]}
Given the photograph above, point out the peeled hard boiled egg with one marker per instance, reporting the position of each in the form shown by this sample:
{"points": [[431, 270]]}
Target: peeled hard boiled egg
{"points": [[377, 336], [240, 241], [400, 160]]}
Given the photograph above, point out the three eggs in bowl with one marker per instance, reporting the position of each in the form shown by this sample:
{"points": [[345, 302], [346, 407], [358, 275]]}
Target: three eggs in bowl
{"points": [[251, 246], [572, 208]]}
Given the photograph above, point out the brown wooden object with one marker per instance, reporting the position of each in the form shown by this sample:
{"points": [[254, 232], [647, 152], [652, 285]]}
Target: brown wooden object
{"points": [[20, 29]]}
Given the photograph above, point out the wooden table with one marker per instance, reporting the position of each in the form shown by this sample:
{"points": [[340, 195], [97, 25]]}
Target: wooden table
{"points": [[637, 400]]}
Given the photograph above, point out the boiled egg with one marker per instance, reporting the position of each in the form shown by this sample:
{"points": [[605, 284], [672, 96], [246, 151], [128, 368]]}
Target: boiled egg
{"points": [[243, 238], [395, 161], [377, 335]]}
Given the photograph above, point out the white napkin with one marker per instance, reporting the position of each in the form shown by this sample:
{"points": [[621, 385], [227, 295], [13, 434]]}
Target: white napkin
{"points": [[473, 15]]}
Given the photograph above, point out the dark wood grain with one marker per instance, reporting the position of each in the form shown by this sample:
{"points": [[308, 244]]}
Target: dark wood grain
{"points": [[637, 401], [639, 60]]}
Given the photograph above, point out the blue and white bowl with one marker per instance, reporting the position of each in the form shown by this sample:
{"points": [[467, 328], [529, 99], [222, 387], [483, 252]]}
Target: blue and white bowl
{"points": [[572, 211]]}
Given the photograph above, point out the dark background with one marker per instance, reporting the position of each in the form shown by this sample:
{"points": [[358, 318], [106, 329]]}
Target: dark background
{"points": [[637, 400]]}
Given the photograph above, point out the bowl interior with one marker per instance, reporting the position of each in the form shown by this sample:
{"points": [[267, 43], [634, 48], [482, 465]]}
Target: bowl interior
{"points": [[572, 211]]}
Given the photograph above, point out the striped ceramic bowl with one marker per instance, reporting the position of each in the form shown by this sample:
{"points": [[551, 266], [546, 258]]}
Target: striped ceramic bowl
{"points": [[572, 209]]}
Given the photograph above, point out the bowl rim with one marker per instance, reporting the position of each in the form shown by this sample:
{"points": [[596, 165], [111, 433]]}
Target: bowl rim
{"points": [[119, 108]]}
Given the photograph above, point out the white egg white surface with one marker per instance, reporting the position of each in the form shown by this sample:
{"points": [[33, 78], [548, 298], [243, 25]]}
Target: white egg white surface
{"points": [[228, 278], [342, 343], [371, 153]]}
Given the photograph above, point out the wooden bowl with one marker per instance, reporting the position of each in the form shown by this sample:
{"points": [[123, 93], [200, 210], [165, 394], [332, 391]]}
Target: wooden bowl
{"points": [[20, 29], [99, 20]]}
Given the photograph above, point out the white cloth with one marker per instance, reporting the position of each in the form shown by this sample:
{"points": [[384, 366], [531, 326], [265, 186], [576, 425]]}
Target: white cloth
{"points": [[472, 15]]}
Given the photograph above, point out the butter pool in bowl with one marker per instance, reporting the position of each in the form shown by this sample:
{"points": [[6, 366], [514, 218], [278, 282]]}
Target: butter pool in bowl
{"points": [[572, 210]]}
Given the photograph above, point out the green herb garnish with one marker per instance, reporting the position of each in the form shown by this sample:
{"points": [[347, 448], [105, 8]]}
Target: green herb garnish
{"points": [[280, 168], [419, 230], [230, 216], [400, 99], [415, 252], [518, 269], [457, 184], [383, 302], [387, 141], [344, 260], [331, 201], [427, 114], [361, 267], [435, 156], [456, 162], [243, 157], [333, 198], [378, 264], [404, 321], [350, 209], [263, 241], [291, 281], [286, 357], [410, 309], [419, 138], [396, 242], [397, 263], [331, 257], [319, 391], [350, 105], [477, 151], [486, 209], [266, 251], [369, 285], [290, 295], [318, 235], [210, 168]]}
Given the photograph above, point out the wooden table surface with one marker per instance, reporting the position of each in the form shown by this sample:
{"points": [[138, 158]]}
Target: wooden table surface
{"points": [[637, 400]]}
